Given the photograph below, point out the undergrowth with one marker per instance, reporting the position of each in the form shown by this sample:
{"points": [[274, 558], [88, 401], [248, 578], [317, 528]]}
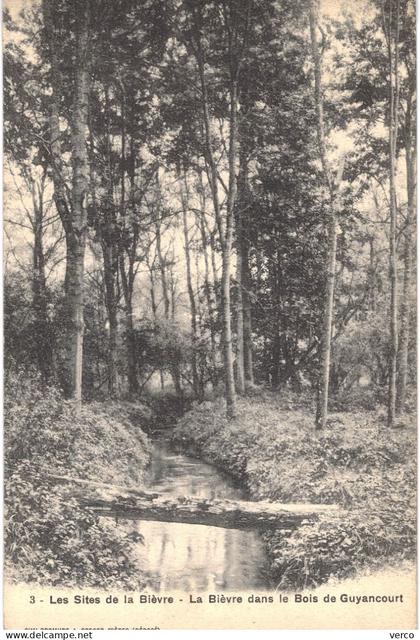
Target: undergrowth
{"points": [[356, 463], [49, 538]]}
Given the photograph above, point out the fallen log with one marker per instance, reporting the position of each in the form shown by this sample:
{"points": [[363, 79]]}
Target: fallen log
{"points": [[134, 504]]}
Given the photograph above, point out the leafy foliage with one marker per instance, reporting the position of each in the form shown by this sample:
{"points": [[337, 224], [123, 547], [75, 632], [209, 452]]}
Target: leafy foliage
{"points": [[49, 538], [356, 463]]}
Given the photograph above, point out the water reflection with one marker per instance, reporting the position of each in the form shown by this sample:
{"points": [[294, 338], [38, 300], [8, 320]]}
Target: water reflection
{"points": [[196, 557]]}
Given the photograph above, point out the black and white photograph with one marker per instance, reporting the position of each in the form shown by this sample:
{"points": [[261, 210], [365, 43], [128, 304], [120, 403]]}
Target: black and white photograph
{"points": [[209, 314]]}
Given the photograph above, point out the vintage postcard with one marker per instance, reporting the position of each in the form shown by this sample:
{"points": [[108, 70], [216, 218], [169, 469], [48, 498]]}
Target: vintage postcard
{"points": [[209, 315]]}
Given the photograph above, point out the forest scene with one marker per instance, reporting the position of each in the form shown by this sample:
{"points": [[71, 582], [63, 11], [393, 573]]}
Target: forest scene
{"points": [[209, 292]]}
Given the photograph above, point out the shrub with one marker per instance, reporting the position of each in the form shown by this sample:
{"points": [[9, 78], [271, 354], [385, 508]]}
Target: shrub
{"points": [[49, 538], [356, 463]]}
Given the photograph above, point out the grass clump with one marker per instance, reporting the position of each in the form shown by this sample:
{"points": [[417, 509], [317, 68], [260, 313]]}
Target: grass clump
{"points": [[356, 463], [49, 538]]}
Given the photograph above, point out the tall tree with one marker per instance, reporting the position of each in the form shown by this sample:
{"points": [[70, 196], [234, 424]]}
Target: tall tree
{"points": [[382, 87], [391, 26], [235, 26], [208, 289], [184, 194], [72, 208], [331, 186]]}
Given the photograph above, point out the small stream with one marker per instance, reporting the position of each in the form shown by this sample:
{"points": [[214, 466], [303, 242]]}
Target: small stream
{"points": [[197, 557]]}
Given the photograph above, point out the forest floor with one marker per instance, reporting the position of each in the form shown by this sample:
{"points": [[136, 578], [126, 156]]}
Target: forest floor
{"points": [[49, 538], [271, 448], [357, 463]]}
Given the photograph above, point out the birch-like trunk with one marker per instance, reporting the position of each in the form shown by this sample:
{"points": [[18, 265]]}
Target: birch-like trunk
{"points": [[240, 350], [325, 357], [227, 250], [155, 317], [225, 231], [393, 63], [244, 317], [210, 306], [325, 352], [80, 185], [174, 366]]}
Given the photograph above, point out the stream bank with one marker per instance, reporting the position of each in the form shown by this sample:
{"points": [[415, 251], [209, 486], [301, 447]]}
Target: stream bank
{"points": [[272, 450], [49, 539]]}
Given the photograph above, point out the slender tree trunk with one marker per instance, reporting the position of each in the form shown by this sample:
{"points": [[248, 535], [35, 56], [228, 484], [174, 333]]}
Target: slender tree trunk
{"points": [[240, 351], [393, 62], [193, 309], [277, 337], [259, 265], [325, 353], [174, 367], [112, 362], [244, 280], [227, 249], [275, 358], [405, 325], [225, 231], [155, 319], [213, 259], [110, 250], [80, 185], [248, 353], [133, 382], [246, 286], [406, 303], [126, 261], [201, 225], [162, 266], [240, 258], [39, 287], [172, 287], [227, 337], [62, 192], [127, 281], [372, 278], [111, 303], [393, 351]]}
